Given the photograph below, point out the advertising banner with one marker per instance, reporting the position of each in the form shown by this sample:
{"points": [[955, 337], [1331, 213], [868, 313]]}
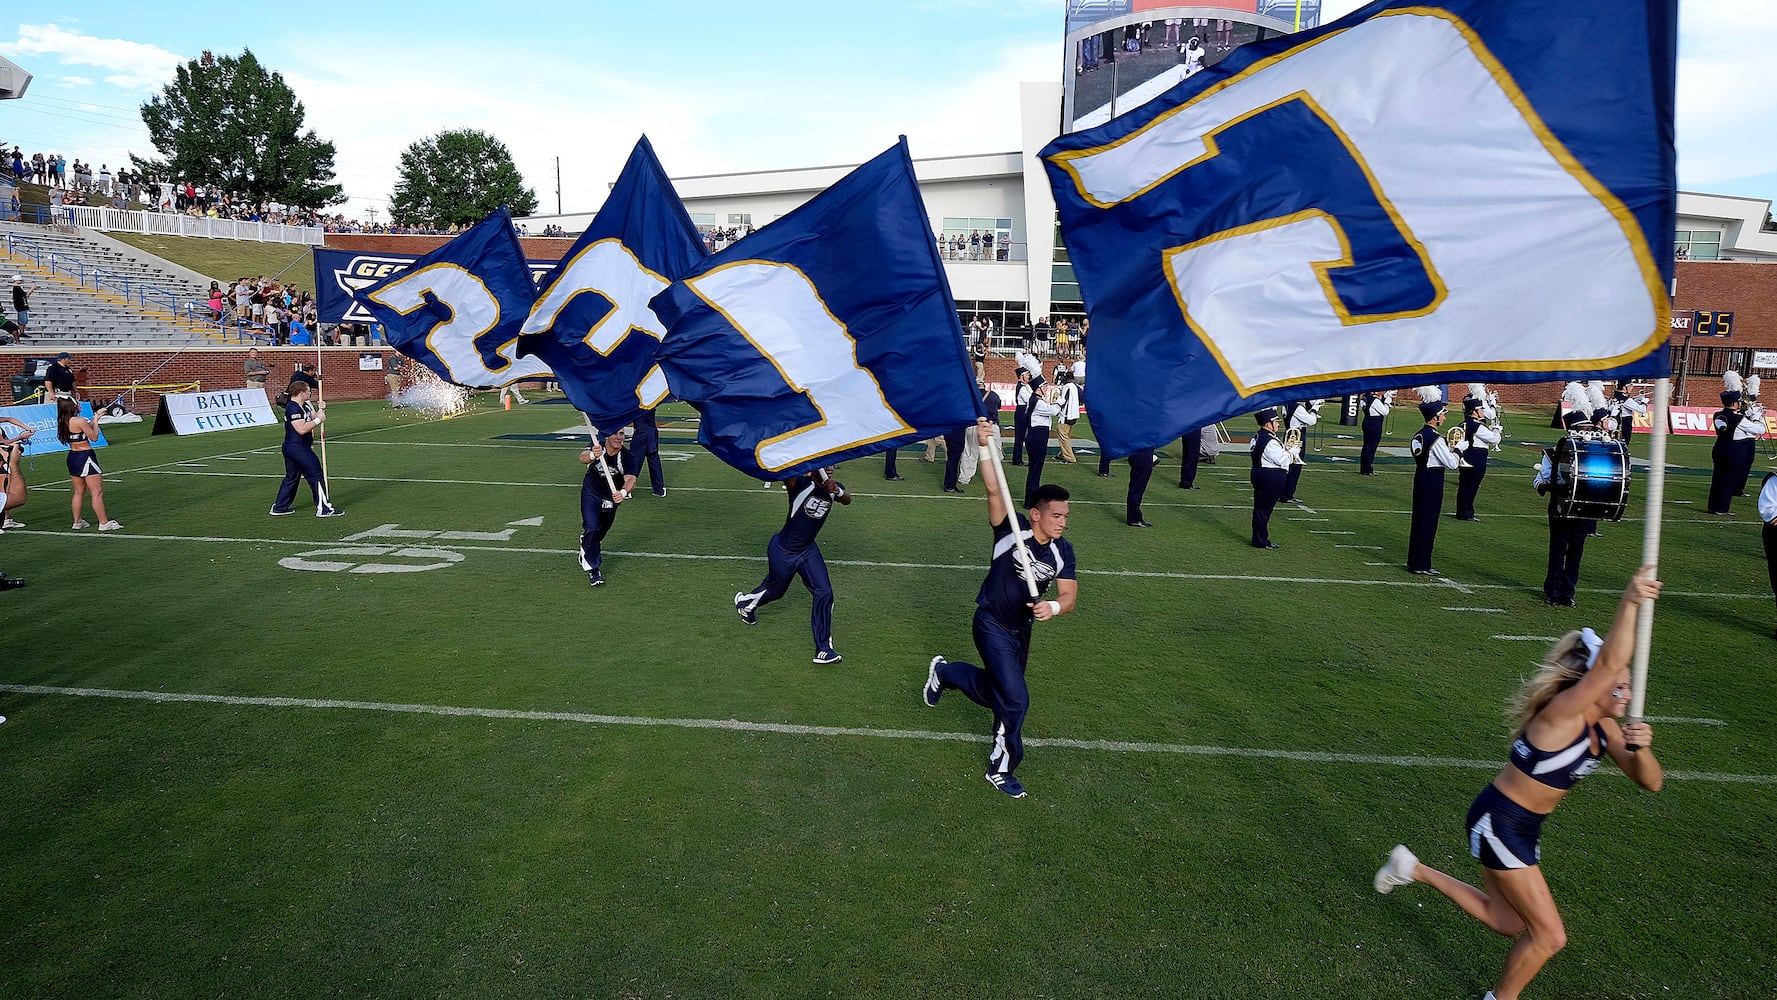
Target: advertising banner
{"points": [[203, 412], [340, 272], [1764, 359], [1696, 421], [41, 418]]}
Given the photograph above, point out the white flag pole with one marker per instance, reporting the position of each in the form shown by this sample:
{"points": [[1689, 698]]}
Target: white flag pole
{"points": [[990, 453], [598, 455], [321, 432], [1650, 546]]}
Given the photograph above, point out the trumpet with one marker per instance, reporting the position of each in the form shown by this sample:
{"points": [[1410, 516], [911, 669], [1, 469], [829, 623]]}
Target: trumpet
{"points": [[1453, 437], [1292, 438]]}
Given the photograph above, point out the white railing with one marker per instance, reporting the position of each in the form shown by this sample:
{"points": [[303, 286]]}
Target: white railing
{"points": [[111, 220]]}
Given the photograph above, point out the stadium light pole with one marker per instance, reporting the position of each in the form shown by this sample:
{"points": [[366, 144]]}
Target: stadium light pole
{"points": [[558, 185]]}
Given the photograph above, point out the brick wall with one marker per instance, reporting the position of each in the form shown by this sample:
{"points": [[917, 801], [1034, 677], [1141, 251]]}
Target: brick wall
{"points": [[535, 247], [213, 367]]}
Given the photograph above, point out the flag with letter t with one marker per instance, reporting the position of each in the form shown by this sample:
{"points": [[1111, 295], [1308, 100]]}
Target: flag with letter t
{"points": [[457, 310], [829, 334], [592, 324], [1416, 193]]}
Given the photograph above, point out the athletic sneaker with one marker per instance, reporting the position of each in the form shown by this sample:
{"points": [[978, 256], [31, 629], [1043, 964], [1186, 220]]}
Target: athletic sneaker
{"points": [[329, 512], [10, 583], [595, 579], [746, 613], [1398, 871], [10, 523], [660, 492], [81, 524], [110, 526], [827, 656], [1006, 783], [933, 690], [280, 513]]}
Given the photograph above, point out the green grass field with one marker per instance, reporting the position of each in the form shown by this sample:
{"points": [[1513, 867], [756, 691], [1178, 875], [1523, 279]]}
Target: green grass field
{"points": [[227, 260], [488, 780]]}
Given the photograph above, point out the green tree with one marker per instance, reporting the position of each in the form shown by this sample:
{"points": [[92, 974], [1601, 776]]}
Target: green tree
{"points": [[457, 177], [230, 121]]}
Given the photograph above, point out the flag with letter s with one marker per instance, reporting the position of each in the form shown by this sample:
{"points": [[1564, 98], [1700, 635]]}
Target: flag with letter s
{"points": [[828, 335], [592, 324], [1467, 190], [458, 309]]}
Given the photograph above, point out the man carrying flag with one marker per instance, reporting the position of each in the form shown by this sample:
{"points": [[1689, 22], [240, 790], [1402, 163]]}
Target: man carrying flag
{"points": [[793, 552]]}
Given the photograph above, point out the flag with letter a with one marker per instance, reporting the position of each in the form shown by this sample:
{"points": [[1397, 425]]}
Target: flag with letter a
{"points": [[1471, 190], [592, 324], [457, 310], [829, 334]]}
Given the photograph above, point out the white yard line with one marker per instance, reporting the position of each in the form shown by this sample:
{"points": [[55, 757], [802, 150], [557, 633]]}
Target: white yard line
{"points": [[118, 536], [1480, 611], [1528, 638], [787, 729]]}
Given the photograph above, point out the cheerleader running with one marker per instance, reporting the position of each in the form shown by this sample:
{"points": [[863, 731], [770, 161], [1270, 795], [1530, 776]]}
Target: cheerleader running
{"points": [[300, 460], [78, 433]]}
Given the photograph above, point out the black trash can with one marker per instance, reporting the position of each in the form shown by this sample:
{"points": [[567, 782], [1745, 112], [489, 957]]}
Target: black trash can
{"points": [[25, 386]]}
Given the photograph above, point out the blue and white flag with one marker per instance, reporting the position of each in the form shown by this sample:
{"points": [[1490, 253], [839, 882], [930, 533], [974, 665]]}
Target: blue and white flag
{"points": [[829, 334], [1418, 192], [592, 324], [457, 310]]}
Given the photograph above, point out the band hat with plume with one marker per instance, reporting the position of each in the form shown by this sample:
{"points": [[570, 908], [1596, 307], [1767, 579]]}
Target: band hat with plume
{"points": [[1731, 386], [1573, 397], [1476, 390], [1752, 387], [1430, 393], [1595, 396]]}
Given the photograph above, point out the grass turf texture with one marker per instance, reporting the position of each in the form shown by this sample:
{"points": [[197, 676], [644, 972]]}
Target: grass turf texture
{"points": [[227, 260], [212, 849]]}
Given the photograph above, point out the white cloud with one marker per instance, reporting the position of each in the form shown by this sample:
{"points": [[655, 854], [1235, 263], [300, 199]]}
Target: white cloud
{"points": [[68, 82], [133, 65]]}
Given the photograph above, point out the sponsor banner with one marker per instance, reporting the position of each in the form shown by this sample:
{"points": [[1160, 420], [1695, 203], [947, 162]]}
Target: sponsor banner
{"points": [[203, 412], [41, 418], [370, 362], [1764, 359], [338, 273], [1696, 421]]}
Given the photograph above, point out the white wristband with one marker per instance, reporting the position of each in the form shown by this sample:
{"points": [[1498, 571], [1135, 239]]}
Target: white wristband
{"points": [[1054, 608]]}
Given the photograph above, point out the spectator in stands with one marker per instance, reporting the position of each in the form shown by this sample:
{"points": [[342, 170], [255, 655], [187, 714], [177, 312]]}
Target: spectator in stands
{"points": [[104, 179], [21, 301]]}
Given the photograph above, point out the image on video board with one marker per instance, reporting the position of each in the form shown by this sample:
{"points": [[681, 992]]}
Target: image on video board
{"points": [[1134, 60]]}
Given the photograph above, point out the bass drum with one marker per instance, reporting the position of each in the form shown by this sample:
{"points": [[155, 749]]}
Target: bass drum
{"points": [[1591, 479]]}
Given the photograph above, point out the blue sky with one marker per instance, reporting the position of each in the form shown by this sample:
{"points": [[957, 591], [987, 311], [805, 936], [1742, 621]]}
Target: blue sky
{"points": [[718, 86]]}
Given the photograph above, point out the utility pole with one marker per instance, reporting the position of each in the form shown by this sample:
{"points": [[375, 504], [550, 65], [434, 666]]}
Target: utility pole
{"points": [[558, 185]]}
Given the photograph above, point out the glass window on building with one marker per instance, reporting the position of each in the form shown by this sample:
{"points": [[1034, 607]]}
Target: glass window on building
{"points": [[702, 219], [972, 238], [1697, 244]]}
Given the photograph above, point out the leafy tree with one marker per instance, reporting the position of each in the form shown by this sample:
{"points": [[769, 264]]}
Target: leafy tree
{"points": [[457, 177], [230, 121]]}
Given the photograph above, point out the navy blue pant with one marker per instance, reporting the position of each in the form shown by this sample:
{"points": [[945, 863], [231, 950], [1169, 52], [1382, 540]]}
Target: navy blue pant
{"points": [[1193, 454], [1267, 487], [1291, 478], [1725, 460], [646, 442], [997, 686], [1748, 458], [1567, 544], [953, 454], [1141, 467], [1104, 461], [1038, 439], [1771, 554], [301, 463], [596, 517], [1020, 428], [784, 566], [1428, 506], [1372, 440], [888, 464], [1468, 482]]}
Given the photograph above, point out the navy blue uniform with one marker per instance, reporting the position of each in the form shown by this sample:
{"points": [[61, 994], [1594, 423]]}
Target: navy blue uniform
{"points": [[645, 441], [598, 509], [300, 462], [792, 552], [1567, 539], [1428, 500], [1372, 426], [1725, 459], [1193, 454], [954, 441], [1020, 427], [1141, 467], [1469, 476], [1002, 636], [1268, 482]]}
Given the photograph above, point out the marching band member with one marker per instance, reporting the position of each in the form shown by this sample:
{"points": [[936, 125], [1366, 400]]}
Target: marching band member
{"points": [[1725, 456], [1624, 409], [1431, 456], [793, 552], [1767, 512], [1043, 410], [645, 445], [1021, 398], [1190, 456], [1480, 432], [610, 479], [1571, 703], [300, 461], [1005, 614], [1567, 535], [78, 433], [1747, 434], [1375, 408], [1141, 468], [1271, 464], [1068, 399], [1300, 417], [1599, 406]]}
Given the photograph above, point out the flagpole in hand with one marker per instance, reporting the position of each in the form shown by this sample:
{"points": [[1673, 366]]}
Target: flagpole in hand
{"points": [[598, 455], [990, 458], [321, 432], [1650, 549]]}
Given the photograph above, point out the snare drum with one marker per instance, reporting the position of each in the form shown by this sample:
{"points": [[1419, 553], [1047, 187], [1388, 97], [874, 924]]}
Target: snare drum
{"points": [[1591, 479]]}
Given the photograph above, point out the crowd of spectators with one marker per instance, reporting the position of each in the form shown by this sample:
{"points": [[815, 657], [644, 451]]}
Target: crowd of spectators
{"points": [[283, 314], [975, 246]]}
